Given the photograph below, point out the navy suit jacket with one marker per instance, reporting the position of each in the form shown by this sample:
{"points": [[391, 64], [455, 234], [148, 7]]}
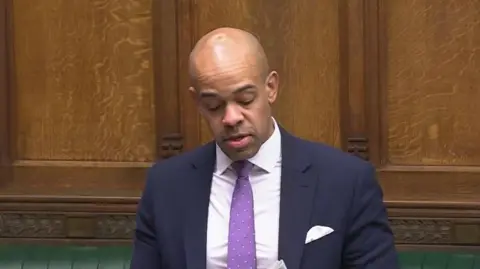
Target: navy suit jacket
{"points": [[320, 185]]}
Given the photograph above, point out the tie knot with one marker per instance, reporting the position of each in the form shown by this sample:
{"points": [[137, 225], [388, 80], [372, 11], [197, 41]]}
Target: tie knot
{"points": [[242, 168]]}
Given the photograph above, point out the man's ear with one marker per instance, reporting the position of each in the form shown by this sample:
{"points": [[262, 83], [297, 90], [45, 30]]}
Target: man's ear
{"points": [[193, 94], [271, 84]]}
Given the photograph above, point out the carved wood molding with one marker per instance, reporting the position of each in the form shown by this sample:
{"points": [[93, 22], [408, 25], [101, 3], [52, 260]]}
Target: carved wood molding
{"points": [[66, 226], [32, 225], [416, 231], [358, 147], [435, 223], [422, 231], [436, 231], [112, 220], [172, 144], [115, 226]]}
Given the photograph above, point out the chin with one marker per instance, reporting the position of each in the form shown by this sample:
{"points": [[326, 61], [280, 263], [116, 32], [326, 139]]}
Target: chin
{"points": [[236, 154], [244, 153]]}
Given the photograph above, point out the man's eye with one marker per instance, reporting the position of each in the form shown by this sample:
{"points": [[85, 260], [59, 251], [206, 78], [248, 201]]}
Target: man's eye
{"points": [[212, 105], [245, 102], [212, 108]]}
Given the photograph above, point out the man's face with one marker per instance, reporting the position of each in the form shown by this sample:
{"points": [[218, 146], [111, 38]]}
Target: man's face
{"points": [[236, 101]]}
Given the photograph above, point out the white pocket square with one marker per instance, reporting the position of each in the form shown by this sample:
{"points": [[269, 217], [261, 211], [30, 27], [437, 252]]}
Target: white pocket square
{"points": [[278, 265], [317, 232]]}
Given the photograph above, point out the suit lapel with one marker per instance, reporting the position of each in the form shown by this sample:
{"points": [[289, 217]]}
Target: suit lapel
{"points": [[296, 199], [198, 197]]}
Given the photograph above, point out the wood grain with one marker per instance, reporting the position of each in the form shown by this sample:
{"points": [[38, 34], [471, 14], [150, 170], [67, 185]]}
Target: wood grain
{"points": [[84, 80], [433, 78], [302, 45], [454, 184], [118, 179]]}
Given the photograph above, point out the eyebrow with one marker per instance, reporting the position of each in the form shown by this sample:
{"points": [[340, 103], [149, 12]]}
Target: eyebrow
{"points": [[236, 91], [244, 88]]}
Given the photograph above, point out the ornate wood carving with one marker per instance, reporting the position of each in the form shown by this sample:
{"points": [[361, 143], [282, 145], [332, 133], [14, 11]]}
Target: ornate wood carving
{"points": [[422, 231], [358, 147], [172, 144], [32, 225], [115, 226], [121, 226], [18, 225]]}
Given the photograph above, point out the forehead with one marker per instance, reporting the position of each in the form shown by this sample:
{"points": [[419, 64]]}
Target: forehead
{"points": [[225, 79], [226, 72]]}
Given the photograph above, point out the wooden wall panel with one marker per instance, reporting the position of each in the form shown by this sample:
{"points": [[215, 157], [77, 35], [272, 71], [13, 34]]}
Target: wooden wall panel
{"points": [[407, 66], [301, 45], [429, 74], [80, 115], [429, 88], [83, 81], [433, 63]]}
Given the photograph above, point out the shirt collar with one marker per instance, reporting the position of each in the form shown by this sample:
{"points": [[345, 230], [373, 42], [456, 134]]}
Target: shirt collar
{"points": [[266, 158]]}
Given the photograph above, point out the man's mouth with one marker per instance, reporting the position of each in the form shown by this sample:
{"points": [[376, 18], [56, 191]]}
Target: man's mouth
{"points": [[236, 137], [238, 141]]}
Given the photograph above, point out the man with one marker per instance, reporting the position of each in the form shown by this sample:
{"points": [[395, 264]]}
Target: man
{"points": [[257, 194]]}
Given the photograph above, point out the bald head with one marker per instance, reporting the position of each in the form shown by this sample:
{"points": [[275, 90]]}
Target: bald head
{"points": [[227, 46]]}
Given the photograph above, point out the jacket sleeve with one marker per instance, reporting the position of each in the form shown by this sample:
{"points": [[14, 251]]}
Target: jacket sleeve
{"points": [[369, 243], [146, 254]]}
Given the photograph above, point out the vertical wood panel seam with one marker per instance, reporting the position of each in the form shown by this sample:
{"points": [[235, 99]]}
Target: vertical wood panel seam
{"points": [[3, 82], [177, 67], [156, 13], [186, 31], [5, 156], [11, 86], [167, 105], [343, 74], [177, 77], [382, 128], [353, 77], [371, 83], [193, 39]]}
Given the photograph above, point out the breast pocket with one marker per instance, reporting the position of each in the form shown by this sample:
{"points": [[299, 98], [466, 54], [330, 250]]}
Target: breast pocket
{"points": [[324, 252]]}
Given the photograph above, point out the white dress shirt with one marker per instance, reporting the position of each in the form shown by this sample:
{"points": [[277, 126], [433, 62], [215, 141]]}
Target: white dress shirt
{"points": [[265, 181]]}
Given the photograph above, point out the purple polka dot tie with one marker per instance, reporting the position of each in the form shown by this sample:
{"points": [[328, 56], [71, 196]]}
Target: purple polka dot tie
{"points": [[241, 236]]}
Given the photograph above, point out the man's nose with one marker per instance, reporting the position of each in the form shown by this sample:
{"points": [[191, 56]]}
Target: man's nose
{"points": [[233, 116]]}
